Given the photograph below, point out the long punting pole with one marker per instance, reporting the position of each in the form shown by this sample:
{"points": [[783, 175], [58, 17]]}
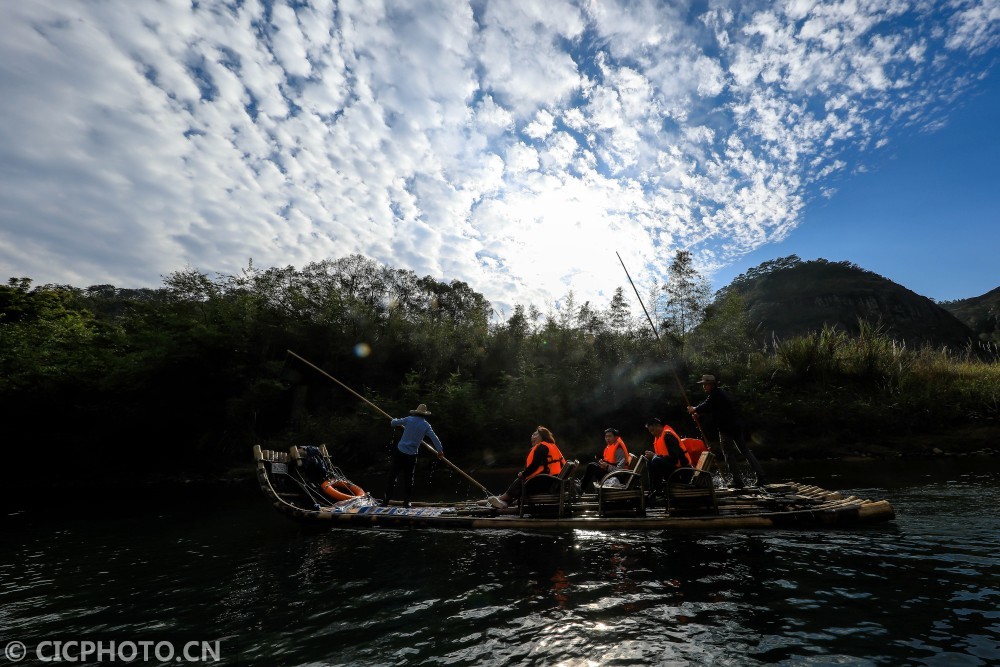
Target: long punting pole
{"points": [[388, 416], [663, 349]]}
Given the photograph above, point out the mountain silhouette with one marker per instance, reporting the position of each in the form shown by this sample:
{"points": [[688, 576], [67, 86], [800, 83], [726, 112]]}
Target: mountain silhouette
{"points": [[980, 313], [788, 297]]}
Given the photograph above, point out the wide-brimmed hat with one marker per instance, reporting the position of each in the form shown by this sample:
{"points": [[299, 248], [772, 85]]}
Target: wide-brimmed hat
{"points": [[707, 379], [421, 410]]}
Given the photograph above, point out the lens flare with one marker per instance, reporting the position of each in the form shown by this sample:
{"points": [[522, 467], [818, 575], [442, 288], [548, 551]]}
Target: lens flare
{"points": [[362, 350]]}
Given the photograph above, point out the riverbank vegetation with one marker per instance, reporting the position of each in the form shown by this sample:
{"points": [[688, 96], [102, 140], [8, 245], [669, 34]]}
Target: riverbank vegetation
{"points": [[196, 372]]}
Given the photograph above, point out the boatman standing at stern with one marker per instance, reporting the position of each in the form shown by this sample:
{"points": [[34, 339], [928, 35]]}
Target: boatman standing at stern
{"points": [[721, 407], [404, 457]]}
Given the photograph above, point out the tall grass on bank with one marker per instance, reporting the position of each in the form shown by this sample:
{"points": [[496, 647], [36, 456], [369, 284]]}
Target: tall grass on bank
{"points": [[862, 387]]}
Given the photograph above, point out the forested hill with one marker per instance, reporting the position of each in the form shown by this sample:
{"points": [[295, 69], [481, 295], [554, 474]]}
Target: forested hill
{"points": [[133, 383], [788, 297], [981, 313]]}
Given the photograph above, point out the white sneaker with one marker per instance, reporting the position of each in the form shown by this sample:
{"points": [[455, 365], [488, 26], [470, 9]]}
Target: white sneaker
{"points": [[496, 502]]}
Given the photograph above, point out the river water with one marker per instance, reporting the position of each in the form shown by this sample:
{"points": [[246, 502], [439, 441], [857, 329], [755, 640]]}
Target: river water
{"points": [[224, 566]]}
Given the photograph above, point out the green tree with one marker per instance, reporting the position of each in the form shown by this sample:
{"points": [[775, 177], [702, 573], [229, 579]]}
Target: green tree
{"points": [[619, 314], [726, 334], [687, 294]]}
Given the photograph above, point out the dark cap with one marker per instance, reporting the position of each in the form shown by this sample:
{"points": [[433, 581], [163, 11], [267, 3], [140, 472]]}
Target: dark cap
{"points": [[654, 420]]}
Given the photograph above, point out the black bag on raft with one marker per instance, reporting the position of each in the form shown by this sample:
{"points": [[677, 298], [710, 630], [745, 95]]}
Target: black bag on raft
{"points": [[314, 465]]}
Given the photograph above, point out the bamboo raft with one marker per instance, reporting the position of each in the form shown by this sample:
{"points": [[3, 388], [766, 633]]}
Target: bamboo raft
{"points": [[785, 505]]}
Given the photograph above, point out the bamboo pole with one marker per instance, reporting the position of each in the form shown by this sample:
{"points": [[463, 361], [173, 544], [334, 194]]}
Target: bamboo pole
{"points": [[388, 416], [663, 349]]}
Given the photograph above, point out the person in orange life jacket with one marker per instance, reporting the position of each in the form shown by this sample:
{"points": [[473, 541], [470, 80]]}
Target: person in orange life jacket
{"points": [[543, 457], [615, 457], [404, 456], [666, 456], [726, 418]]}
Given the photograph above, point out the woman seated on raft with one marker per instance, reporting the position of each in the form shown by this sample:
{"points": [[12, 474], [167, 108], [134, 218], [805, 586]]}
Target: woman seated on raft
{"points": [[544, 457], [614, 457]]}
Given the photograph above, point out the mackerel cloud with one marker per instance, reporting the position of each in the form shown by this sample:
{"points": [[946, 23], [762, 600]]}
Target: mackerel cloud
{"points": [[512, 145]]}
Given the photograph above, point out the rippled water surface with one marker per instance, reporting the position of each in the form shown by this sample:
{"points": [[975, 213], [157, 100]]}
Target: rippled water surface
{"points": [[923, 590]]}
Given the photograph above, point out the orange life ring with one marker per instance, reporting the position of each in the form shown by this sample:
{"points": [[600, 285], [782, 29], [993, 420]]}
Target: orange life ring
{"points": [[341, 489]]}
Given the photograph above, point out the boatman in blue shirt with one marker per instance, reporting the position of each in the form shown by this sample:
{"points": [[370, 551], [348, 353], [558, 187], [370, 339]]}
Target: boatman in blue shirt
{"points": [[404, 457]]}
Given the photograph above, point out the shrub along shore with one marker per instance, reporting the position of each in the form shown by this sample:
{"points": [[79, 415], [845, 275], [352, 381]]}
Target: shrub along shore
{"points": [[189, 376]]}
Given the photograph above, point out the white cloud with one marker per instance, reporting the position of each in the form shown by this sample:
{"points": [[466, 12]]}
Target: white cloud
{"points": [[287, 42], [509, 145], [522, 56], [522, 158], [541, 126], [975, 27]]}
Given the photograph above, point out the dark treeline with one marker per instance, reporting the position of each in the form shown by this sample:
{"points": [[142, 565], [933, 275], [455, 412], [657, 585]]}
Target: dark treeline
{"points": [[194, 373]]}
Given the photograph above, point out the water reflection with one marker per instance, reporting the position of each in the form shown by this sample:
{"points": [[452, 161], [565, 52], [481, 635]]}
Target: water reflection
{"points": [[924, 590]]}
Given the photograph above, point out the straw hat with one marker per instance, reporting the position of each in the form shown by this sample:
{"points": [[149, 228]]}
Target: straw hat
{"points": [[421, 411]]}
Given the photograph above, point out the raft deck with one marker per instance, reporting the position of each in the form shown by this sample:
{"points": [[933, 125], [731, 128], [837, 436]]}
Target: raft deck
{"points": [[785, 505]]}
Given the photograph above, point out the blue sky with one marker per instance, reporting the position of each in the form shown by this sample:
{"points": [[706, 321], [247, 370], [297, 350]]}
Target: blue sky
{"points": [[925, 215], [512, 145]]}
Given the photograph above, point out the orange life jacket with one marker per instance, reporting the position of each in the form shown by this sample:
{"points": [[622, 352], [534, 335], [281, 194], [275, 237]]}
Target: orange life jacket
{"points": [[693, 447], [609, 452], [553, 460], [659, 445]]}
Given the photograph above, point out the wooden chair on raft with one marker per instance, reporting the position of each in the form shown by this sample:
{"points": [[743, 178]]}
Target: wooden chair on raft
{"points": [[547, 494], [629, 495], [692, 490]]}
